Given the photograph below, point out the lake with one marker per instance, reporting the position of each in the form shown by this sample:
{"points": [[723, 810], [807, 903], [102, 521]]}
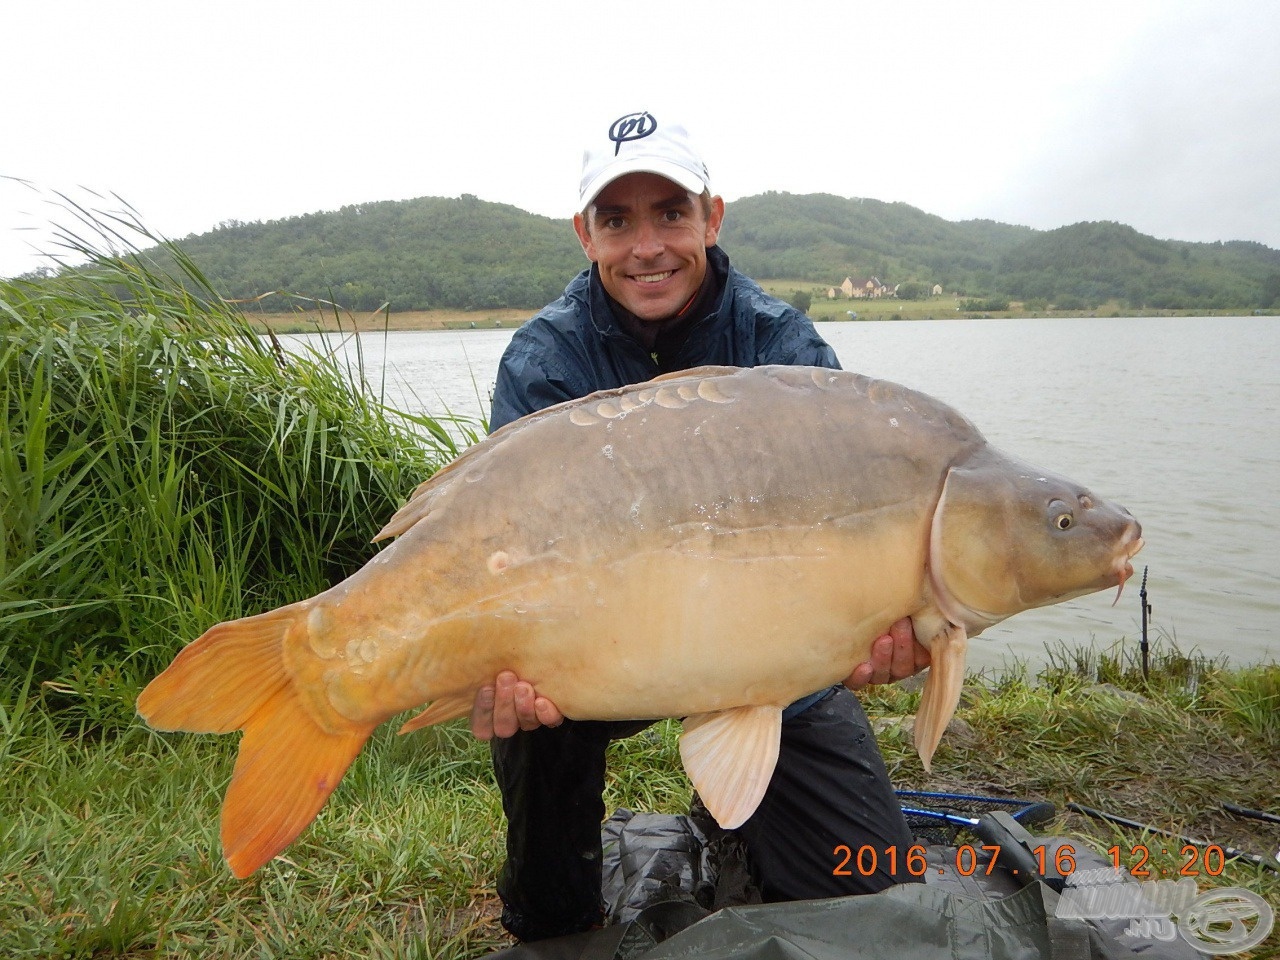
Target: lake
{"points": [[1176, 418]]}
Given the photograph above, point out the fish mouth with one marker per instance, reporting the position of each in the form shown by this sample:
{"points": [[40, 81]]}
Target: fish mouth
{"points": [[1130, 544]]}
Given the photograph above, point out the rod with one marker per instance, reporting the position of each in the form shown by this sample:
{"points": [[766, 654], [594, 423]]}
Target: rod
{"points": [[1251, 814], [1231, 852], [1146, 612]]}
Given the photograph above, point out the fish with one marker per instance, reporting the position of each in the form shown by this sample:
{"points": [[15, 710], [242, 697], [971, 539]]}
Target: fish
{"points": [[711, 545]]}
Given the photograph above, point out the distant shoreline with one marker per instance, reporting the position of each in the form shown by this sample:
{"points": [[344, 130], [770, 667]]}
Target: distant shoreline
{"points": [[313, 321]]}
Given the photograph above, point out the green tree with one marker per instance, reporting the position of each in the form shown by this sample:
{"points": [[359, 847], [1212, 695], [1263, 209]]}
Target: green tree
{"points": [[1271, 290], [802, 300]]}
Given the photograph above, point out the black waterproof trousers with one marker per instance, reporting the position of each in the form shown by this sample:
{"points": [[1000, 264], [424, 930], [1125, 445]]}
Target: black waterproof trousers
{"points": [[830, 791]]}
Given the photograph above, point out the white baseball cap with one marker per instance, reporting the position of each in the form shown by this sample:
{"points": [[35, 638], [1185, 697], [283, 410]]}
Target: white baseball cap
{"points": [[639, 143]]}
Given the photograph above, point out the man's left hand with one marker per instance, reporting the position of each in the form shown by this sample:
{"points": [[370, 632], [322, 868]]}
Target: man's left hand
{"points": [[894, 656]]}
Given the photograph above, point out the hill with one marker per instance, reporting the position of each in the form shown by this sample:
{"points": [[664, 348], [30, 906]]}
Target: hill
{"points": [[416, 254], [471, 254]]}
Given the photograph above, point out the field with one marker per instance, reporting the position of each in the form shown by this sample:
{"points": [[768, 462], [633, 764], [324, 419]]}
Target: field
{"points": [[309, 321]]}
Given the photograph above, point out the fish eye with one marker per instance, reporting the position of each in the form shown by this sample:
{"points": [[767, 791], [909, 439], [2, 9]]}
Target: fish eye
{"points": [[1063, 518]]}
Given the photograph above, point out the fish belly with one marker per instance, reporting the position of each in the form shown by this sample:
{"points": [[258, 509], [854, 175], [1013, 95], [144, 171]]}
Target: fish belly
{"points": [[700, 624]]}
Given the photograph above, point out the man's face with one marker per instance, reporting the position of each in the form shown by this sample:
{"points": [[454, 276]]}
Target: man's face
{"points": [[649, 237]]}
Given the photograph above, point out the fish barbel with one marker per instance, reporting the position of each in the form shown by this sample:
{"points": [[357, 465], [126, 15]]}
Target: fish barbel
{"points": [[711, 545]]}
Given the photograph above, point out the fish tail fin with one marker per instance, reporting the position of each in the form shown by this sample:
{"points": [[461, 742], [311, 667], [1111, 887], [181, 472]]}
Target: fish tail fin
{"points": [[286, 769], [234, 678], [217, 682], [941, 690]]}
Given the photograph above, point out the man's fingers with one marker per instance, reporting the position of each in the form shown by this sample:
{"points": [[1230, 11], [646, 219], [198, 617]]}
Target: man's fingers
{"points": [[549, 714], [893, 656], [902, 631], [909, 655], [511, 705], [525, 707], [883, 651], [482, 714], [860, 677], [903, 655], [505, 721]]}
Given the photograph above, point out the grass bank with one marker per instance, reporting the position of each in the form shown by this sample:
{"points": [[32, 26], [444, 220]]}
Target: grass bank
{"points": [[109, 844]]}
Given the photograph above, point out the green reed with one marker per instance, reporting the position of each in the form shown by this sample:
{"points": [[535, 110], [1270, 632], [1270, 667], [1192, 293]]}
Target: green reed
{"points": [[163, 467]]}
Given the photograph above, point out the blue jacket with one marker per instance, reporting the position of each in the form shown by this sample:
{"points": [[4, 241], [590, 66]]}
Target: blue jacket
{"points": [[575, 346]]}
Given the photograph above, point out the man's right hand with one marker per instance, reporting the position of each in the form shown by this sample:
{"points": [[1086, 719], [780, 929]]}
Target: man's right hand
{"points": [[508, 705]]}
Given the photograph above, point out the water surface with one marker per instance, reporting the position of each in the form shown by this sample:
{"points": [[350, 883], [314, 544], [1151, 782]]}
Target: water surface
{"points": [[1176, 418]]}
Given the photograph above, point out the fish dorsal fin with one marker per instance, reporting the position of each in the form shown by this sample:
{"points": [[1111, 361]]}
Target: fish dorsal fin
{"points": [[730, 755], [941, 689]]}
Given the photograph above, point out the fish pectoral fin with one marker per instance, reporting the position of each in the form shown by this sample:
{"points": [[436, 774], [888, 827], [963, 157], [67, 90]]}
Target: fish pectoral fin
{"points": [[730, 755], [446, 708], [941, 689]]}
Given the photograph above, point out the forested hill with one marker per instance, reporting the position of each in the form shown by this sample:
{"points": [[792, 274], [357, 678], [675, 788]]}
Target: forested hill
{"points": [[468, 253]]}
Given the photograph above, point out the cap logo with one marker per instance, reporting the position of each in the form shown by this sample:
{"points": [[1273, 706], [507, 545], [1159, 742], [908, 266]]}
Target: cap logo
{"points": [[634, 126]]}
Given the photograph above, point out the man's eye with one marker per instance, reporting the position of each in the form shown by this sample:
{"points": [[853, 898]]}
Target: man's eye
{"points": [[614, 223], [671, 215]]}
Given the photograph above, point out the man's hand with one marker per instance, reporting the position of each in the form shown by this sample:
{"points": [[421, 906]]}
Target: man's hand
{"points": [[894, 656], [510, 704]]}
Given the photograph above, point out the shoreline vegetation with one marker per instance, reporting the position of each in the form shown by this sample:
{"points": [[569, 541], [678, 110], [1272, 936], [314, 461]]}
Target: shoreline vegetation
{"points": [[332, 320], [163, 468]]}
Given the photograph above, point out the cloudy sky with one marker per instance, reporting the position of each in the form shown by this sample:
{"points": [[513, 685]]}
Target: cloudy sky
{"points": [[1163, 114]]}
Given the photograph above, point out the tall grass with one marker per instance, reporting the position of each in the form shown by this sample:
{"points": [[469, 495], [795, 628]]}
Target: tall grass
{"points": [[162, 467]]}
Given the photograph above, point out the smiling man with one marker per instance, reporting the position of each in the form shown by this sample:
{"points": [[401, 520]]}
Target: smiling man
{"points": [[660, 295]]}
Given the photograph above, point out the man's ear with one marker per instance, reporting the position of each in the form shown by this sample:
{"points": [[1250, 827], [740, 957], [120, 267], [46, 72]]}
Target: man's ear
{"points": [[584, 236], [714, 220]]}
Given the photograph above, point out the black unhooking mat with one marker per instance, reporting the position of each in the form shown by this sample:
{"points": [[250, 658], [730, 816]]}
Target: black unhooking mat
{"points": [[677, 887]]}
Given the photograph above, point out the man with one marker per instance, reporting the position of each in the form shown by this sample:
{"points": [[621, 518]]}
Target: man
{"points": [[661, 296]]}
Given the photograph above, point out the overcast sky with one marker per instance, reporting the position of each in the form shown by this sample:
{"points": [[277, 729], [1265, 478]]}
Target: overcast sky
{"points": [[1163, 114]]}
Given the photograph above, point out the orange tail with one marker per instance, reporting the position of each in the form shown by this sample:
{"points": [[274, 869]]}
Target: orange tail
{"points": [[234, 678]]}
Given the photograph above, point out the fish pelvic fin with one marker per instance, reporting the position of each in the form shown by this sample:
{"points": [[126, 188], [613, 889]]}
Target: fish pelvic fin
{"points": [[941, 693], [234, 678], [730, 755], [446, 708]]}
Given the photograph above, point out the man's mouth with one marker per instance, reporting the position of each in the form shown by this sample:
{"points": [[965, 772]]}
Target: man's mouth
{"points": [[652, 277]]}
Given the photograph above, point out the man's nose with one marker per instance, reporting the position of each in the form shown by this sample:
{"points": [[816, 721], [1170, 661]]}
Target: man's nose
{"points": [[648, 242]]}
